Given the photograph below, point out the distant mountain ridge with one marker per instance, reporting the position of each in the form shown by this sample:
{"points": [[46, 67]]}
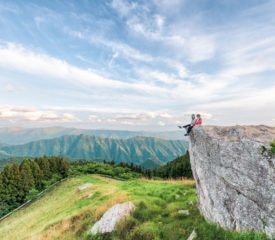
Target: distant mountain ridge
{"points": [[14, 136], [138, 150]]}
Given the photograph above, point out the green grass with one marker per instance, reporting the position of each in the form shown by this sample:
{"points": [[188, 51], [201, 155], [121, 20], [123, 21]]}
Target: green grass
{"points": [[66, 214], [273, 147]]}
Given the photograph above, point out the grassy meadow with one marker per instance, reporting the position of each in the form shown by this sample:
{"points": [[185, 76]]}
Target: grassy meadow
{"points": [[64, 214]]}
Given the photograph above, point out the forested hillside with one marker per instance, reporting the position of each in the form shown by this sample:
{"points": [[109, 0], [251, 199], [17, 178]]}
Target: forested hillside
{"points": [[133, 150], [178, 168], [18, 183]]}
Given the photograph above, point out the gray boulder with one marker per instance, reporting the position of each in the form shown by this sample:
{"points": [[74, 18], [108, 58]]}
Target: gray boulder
{"points": [[235, 176], [84, 187], [110, 218], [192, 236]]}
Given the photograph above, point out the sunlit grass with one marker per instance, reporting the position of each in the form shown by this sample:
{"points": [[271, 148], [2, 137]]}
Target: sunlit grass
{"points": [[65, 213]]}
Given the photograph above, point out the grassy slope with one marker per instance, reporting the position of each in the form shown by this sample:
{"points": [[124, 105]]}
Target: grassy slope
{"points": [[65, 214]]}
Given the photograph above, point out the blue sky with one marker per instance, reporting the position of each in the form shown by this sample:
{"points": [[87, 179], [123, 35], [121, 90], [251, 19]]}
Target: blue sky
{"points": [[137, 65]]}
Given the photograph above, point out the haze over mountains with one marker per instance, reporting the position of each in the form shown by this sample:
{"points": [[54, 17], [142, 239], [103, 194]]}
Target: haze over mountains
{"points": [[13, 136], [139, 148]]}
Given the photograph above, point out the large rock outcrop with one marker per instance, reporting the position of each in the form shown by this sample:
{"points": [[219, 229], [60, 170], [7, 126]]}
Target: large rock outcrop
{"points": [[235, 176]]}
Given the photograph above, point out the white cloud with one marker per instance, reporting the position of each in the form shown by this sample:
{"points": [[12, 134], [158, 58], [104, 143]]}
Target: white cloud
{"points": [[123, 7], [130, 118], [68, 117], [122, 50], [34, 115], [17, 58], [154, 75], [240, 77], [201, 47], [195, 45], [165, 5], [254, 58], [248, 100]]}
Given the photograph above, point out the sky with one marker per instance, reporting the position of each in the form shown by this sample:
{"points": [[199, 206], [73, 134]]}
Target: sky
{"points": [[136, 65]]}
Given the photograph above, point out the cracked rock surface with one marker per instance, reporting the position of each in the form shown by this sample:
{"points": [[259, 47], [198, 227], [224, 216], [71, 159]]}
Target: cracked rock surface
{"points": [[235, 176]]}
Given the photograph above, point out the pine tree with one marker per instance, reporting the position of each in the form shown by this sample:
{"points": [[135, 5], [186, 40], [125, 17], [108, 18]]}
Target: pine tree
{"points": [[13, 194], [27, 179], [53, 161], [3, 205], [37, 175], [44, 166], [63, 167]]}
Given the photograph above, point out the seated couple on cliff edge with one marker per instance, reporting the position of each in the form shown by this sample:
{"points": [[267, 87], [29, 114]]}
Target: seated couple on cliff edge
{"points": [[195, 121]]}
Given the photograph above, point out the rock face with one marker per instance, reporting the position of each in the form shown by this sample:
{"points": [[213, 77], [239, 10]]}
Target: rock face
{"points": [[235, 176], [110, 218]]}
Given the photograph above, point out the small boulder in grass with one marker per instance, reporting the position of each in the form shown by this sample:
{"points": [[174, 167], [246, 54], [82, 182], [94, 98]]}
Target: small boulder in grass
{"points": [[111, 217], [183, 212], [84, 187], [192, 236]]}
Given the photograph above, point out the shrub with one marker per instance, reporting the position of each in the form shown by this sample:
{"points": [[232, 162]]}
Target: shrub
{"points": [[142, 213], [143, 235], [32, 194], [147, 231], [125, 227]]}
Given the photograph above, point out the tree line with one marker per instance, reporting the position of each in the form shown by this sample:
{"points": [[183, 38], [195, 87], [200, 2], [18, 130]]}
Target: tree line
{"points": [[178, 168], [116, 170], [19, 183]]}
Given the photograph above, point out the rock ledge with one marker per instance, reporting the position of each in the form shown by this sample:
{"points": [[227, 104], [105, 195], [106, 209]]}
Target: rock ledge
{"points": [[235, 176]]}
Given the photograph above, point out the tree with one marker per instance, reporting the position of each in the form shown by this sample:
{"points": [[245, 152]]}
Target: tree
{"points": [[13, 194], [18, 184], [53, 162], [62, 167], [180, 167], [27, 179], [44, 166], [37, 175]]}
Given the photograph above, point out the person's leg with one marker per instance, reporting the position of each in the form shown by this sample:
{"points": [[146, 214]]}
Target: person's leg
{"points": [[185, 126], [189, 130]]}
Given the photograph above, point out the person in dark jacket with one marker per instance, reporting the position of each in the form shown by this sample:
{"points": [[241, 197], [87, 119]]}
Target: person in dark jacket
{"points": [[193, 120]]}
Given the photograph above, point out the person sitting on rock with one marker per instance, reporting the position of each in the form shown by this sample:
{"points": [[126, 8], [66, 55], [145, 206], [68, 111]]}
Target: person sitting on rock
{"points": [[197, 122], [193, 120]]}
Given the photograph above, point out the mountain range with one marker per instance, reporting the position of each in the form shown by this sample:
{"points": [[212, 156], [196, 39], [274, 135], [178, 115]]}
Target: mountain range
{"points": [[13, 136], [144, 151]]}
